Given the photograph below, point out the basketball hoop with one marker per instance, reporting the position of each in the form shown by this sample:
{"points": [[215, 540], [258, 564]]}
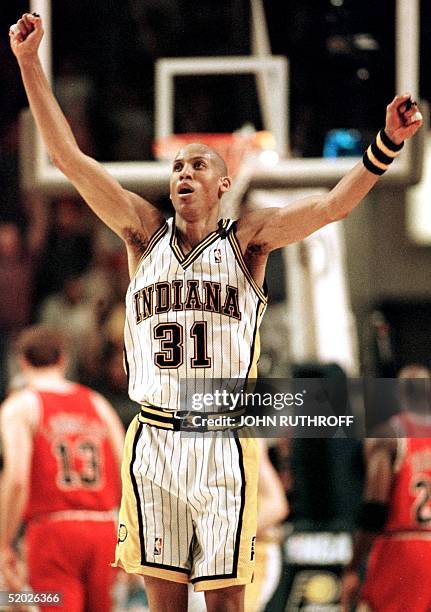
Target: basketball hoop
{"points": [[233, 147]]}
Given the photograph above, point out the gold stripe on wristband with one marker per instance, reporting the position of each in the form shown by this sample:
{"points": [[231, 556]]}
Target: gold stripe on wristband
{"points": [[384, 148], [375, 161]]}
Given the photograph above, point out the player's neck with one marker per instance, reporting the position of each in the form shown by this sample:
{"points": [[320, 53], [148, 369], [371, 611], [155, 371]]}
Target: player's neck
{"points": [[191, 233], [41, 377]]}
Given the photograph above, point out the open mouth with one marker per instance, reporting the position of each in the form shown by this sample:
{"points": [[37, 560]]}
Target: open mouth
{"points": [[185, 190]]}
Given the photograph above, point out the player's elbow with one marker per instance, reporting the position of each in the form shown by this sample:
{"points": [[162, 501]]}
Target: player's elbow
{"points": [[65, 159], [16, 483], [55, 159], [334, 209]]}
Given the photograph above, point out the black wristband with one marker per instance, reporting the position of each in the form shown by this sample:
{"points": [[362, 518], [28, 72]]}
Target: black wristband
{"points": [[390, 144], [370, 166], [381, 153]]}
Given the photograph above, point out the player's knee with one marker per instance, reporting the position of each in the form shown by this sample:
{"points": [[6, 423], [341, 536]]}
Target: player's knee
{"points": [[161, 593], [229, 599]]}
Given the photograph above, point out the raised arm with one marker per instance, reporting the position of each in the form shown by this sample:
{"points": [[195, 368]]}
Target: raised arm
{"points": [[130, 216], [265, 230]]}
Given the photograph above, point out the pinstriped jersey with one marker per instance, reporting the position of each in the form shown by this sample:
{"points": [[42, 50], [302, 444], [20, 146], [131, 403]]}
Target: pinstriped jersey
{"points": [[191, 316]]}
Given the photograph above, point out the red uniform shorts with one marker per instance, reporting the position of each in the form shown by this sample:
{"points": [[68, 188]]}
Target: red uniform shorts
{"points": [[72, 557], [398, 574]]}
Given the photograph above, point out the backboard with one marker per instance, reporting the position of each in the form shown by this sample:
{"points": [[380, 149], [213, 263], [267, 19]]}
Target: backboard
{"points": [[151, 177]]}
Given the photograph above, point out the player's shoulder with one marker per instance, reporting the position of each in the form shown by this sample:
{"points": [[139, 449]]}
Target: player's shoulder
{"points": [[22, 405], [102, 406], [250, 228], [249, 220], [380, 445]]}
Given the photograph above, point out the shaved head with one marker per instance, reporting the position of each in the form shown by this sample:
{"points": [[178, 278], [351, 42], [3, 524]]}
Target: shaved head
{"points": [[414, 370], [198, 148]]}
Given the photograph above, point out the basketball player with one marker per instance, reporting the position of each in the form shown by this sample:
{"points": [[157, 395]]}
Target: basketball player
{"points": [[395, 518], [193, 309], [62, 446]]}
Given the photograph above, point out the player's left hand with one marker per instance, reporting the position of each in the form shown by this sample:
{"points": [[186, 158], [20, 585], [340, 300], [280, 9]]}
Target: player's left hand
{"points": [[11, 569], [403, 118], [350, 583]]}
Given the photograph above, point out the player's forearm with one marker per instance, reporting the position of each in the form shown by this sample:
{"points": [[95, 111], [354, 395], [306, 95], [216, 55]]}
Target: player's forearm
{"points": [[349, 192], [50, 120], [13, 498]]}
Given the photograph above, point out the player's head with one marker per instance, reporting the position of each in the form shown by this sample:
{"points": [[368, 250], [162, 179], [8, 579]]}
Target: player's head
{"points": [[414, 387], [199, 178], [414, 370], [40, 347]]}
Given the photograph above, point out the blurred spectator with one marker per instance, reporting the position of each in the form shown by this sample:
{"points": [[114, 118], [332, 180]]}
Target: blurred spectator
{"points": [[74, 93], [105, 285], [12, 205], [69, 247], [112, 382], [19, 252], [68, 310]]}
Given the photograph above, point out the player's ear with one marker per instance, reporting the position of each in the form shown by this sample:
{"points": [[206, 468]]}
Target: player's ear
{"points": [[225, 184], [23, 363], [63, 362]]}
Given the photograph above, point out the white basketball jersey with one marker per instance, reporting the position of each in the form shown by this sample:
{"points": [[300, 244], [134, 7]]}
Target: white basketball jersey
{"points": [[189, 317]]}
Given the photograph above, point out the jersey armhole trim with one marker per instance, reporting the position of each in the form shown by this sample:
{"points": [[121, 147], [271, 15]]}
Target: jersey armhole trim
{"points": [[261, 293]]}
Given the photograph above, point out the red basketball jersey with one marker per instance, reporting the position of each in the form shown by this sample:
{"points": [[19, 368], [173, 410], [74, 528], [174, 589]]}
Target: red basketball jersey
{"points": [[410, 502], [73, 463]]}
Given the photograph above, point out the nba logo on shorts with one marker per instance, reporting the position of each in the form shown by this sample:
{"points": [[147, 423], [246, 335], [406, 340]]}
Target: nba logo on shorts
{"points": [[217, 255], [158, 545], [253, 541]]}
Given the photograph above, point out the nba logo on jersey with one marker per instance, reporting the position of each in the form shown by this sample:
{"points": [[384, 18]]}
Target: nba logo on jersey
{"points": [[158, 545], [217, 255]]}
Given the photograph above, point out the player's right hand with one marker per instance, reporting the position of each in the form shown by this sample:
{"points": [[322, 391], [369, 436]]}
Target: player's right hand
{"points": [[25, 36], [11, 570]]}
